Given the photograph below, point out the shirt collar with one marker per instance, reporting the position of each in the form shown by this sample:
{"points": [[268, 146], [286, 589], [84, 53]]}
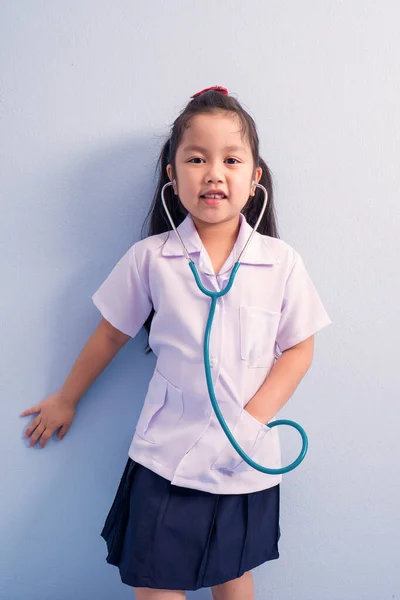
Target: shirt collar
{"points": [[258, 252]]}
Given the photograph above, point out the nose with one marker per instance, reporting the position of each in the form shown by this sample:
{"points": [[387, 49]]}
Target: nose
{"points": [[214, 173]]}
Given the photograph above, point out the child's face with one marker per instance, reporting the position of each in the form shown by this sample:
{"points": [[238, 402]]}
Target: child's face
{"points": [[221, 160]]}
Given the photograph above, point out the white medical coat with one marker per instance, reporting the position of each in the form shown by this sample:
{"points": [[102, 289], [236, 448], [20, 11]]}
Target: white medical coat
{"points": [[272, 305]]}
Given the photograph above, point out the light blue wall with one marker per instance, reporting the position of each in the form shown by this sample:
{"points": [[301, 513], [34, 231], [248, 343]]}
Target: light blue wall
{"points": [[88, 90]]}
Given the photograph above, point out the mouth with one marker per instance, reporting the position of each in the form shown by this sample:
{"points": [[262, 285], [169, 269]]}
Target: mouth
{"points": [[213, 199]]}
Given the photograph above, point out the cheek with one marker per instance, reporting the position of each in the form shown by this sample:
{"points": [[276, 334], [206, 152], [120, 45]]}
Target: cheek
{"points": [[242, 185], [190, 183], [185, 176]]}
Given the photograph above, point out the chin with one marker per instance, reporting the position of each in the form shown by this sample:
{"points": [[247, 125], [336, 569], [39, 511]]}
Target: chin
{"points": [[214, 218]]}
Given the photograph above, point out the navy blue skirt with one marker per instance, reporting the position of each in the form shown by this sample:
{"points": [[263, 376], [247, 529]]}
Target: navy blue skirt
{"points": [[164, 536]]}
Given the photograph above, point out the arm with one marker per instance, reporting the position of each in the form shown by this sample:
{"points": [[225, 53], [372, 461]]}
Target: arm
{"points": [[102, 346], [57, 411], [282, 381]]}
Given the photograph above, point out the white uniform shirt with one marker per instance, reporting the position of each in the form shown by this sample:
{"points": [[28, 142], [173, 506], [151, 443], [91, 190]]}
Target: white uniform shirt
{"points": [[272, 304]]}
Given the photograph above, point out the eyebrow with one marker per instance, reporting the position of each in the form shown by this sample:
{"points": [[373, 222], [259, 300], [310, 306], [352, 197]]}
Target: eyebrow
{"points": [[204, 150]]}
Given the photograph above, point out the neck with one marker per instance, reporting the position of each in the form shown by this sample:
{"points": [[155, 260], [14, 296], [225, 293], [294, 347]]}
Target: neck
{"points": [[211, 233]]}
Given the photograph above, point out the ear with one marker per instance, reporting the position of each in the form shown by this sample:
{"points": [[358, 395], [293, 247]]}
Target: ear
{"points": [[169, 173], [257, 178]]}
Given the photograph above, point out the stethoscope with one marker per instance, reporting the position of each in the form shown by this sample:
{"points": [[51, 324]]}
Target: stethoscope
{"points": [[214, 297]]}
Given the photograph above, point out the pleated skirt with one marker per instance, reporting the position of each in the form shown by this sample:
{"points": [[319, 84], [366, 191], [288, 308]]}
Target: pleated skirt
{"points": [[163, 536]]}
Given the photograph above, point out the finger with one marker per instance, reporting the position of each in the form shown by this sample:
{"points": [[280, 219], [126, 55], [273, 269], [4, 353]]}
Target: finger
{"points": [[30, 411], [63, 431], [33, 426], [46, 435], [37, 433]]}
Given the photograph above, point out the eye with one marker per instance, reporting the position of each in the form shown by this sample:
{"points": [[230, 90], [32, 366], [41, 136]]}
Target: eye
{"points": [[197, 158]]}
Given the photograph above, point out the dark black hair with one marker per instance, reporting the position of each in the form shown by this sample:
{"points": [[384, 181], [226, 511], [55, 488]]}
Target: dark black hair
{"points": [[156, 220]]}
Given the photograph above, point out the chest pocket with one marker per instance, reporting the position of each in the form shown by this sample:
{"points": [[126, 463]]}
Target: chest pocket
{"points": [[258, 330], [162, 409]]}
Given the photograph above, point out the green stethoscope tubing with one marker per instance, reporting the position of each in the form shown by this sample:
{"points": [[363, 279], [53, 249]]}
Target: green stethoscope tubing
{"points": [[206, 353]]}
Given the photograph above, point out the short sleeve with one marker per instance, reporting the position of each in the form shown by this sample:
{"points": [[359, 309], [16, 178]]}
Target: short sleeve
{"points": [[303, 313], [122, 298]]}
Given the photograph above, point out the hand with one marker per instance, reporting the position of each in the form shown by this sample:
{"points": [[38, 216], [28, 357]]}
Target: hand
{"points": [[255, 416], [55, 412]]}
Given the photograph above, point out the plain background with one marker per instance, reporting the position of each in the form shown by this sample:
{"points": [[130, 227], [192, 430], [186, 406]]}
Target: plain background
{"points": [[88, 91]]}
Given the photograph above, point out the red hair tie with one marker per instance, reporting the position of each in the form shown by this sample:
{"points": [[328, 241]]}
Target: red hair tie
{"points": [[216, 88]]}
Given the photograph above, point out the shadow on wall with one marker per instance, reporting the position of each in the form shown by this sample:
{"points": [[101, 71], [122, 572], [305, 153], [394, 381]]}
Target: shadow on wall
{"points": [[99, 219]]}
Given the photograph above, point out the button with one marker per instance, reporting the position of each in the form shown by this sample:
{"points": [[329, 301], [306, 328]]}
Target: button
{"points": [[213, 361]]}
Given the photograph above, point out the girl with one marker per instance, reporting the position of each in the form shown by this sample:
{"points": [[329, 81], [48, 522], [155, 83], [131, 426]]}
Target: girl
{"points": [[189, 512]]}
